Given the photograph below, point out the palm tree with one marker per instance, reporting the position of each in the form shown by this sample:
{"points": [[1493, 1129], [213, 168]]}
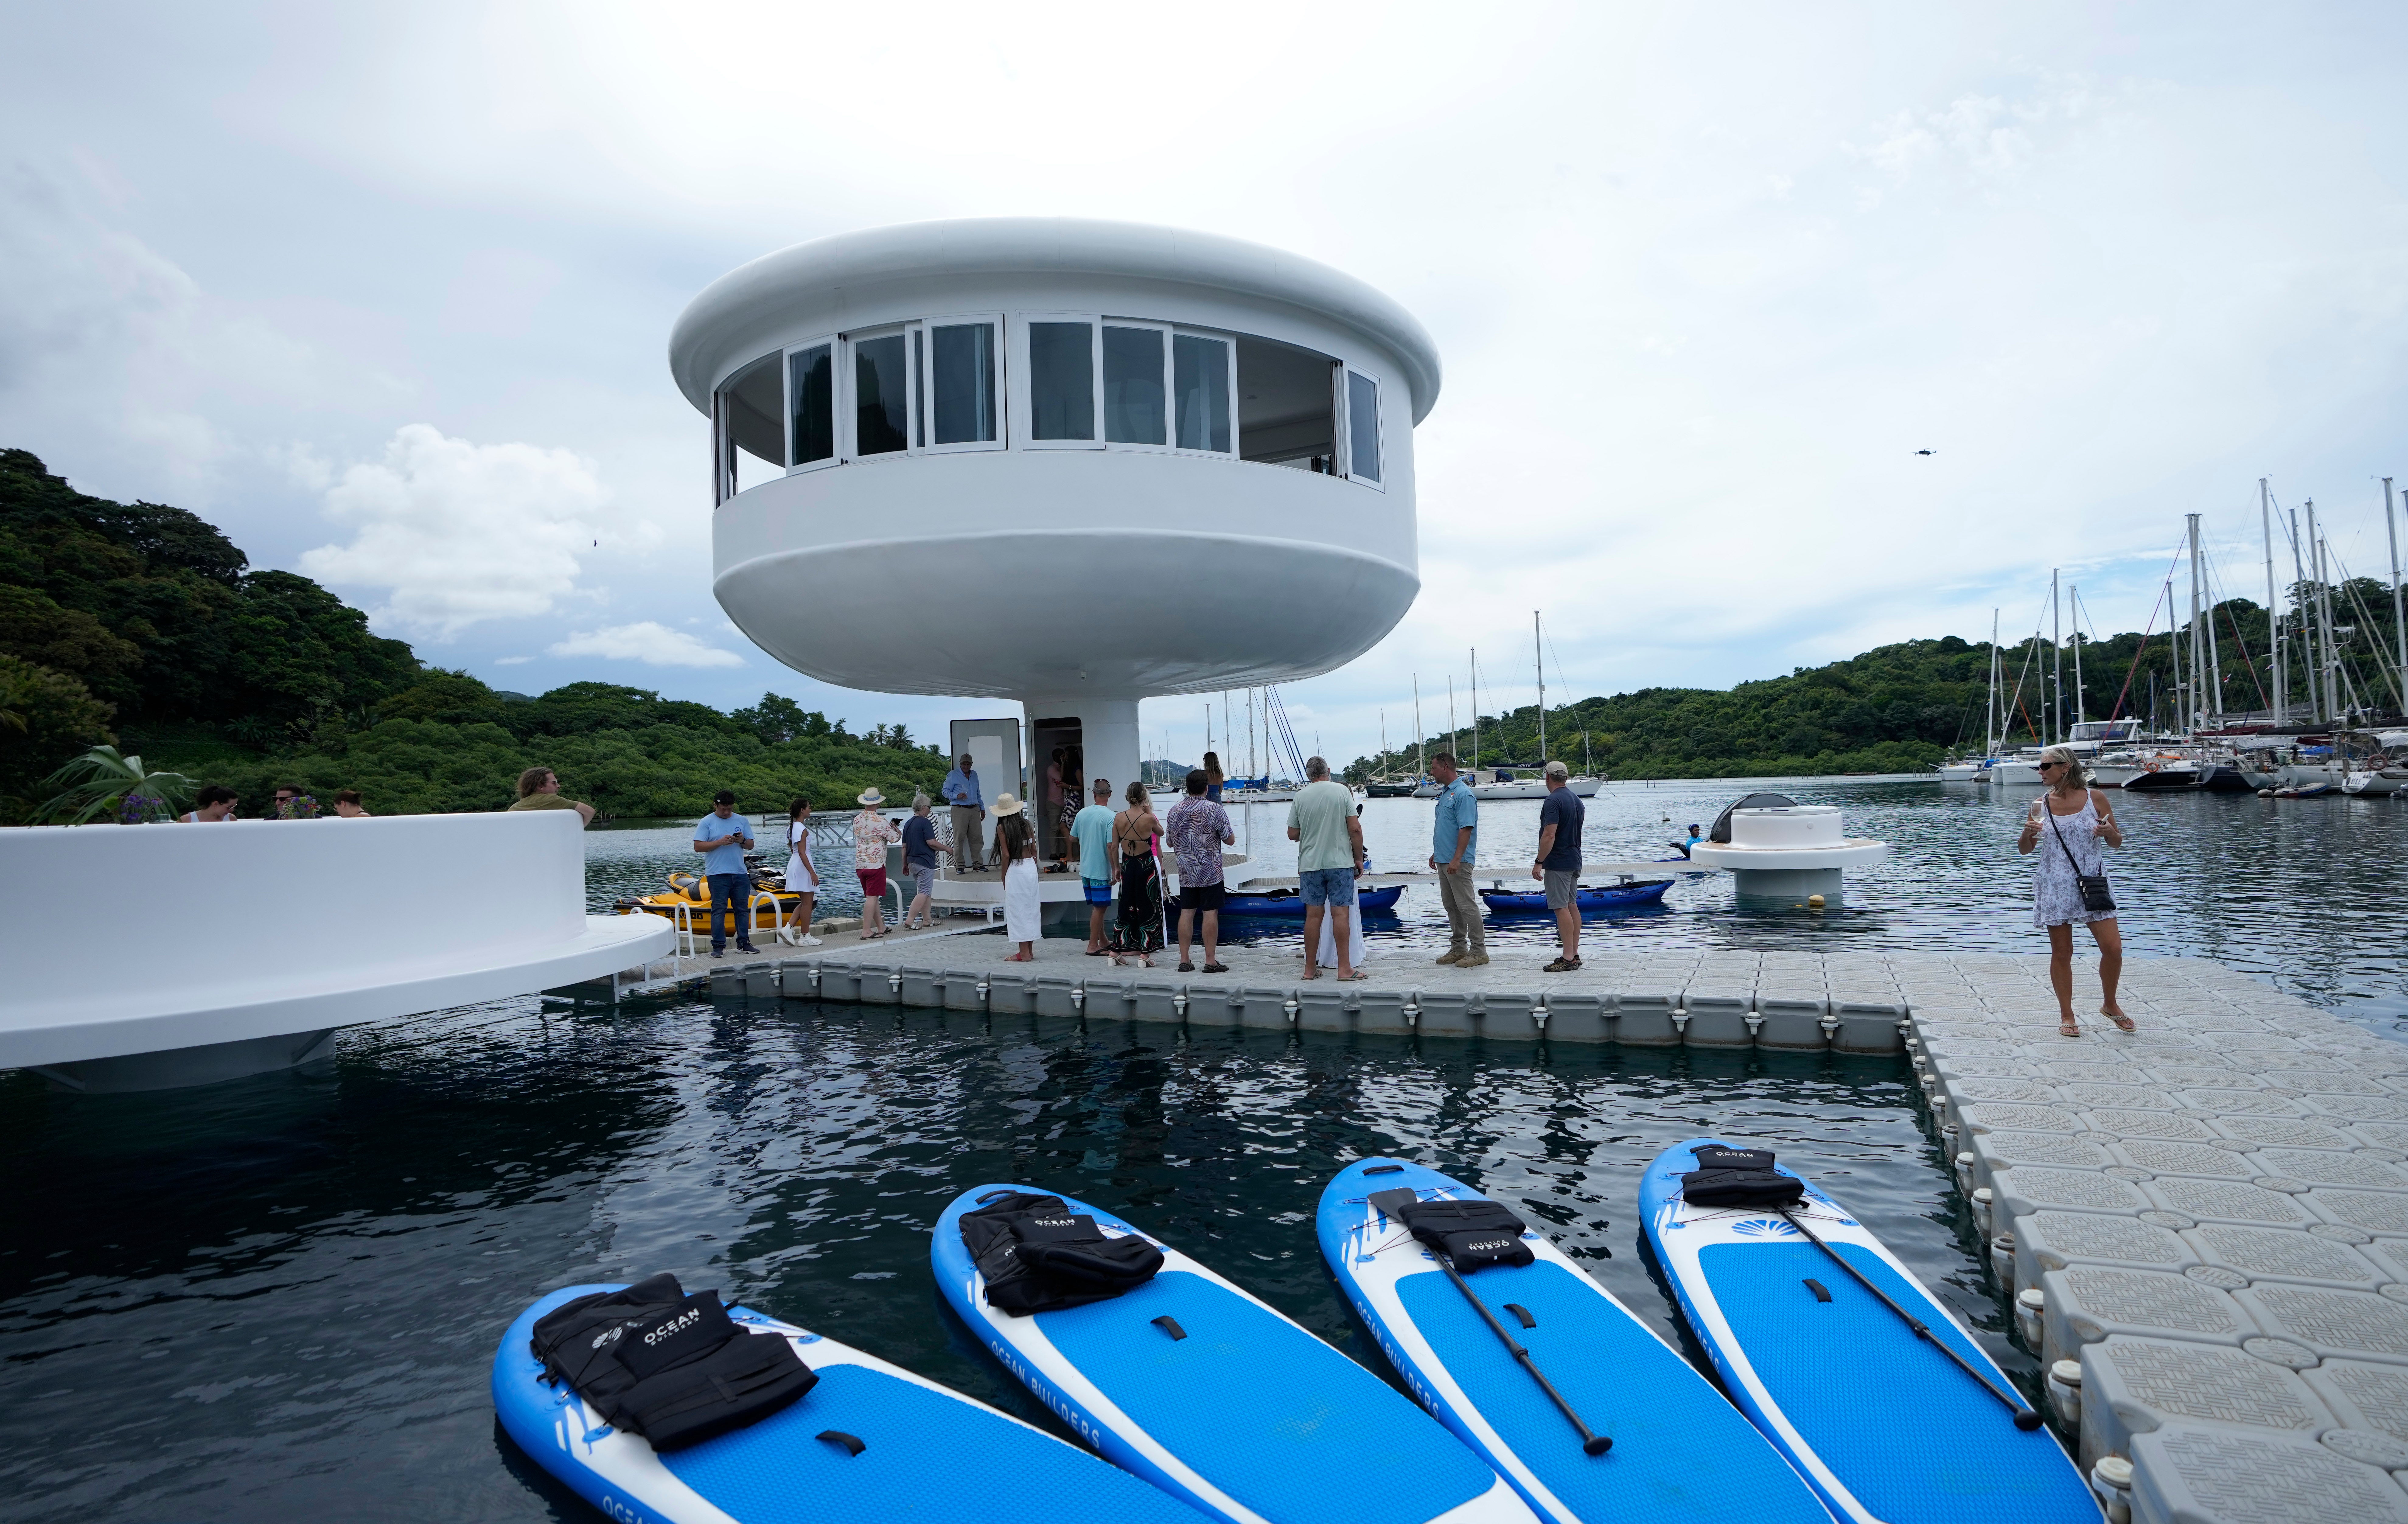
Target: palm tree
{"points": [[102, 781]]}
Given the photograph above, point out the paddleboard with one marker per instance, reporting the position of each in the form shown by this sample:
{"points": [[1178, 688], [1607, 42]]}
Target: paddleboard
{"points": [[1230, 1407], [1680, 1450], [1882, 1424], [926, 1452]]}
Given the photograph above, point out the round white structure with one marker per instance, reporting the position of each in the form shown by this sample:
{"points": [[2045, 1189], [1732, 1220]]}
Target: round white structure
{"points": [[1067, 463], [1782, 854]]}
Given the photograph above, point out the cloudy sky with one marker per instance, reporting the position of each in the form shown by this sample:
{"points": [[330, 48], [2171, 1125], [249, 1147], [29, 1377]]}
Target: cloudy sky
{"points": [[385, 293]]}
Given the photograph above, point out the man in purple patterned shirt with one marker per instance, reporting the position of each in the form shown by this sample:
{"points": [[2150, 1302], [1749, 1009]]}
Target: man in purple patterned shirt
{"points": [[1196, 830]]}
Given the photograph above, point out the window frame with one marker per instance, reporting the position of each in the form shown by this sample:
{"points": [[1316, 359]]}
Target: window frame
{"points": [[1346, 371], [1001, 381], [835, 343], [1025, 358], [848, 437], [726, 479], [1169, 424], [1228, 342]]}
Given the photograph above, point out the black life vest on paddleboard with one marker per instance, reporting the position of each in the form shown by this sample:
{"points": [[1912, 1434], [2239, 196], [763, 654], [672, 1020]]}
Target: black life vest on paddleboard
{"points": [[673, 1368], [1472, 1234], [1739, 1177], [1037, 1255]]}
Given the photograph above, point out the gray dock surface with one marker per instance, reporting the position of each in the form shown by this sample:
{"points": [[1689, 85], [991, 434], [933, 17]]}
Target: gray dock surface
{"points": [[2207, 1218]]}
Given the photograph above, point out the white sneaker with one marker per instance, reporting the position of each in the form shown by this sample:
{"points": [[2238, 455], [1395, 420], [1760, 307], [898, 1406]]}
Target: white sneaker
{"points": [[811, 942]]}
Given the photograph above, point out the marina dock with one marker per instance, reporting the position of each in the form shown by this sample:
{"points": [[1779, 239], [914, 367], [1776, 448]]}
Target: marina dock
{"points": [[2203, 1226]]}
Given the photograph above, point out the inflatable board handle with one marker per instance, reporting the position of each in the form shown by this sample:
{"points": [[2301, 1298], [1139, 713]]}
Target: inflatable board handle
{"points": [[838, 1436], [1170, 1325]]}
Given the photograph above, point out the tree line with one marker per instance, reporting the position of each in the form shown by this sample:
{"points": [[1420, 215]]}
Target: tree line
{"points": [[140, 624]]}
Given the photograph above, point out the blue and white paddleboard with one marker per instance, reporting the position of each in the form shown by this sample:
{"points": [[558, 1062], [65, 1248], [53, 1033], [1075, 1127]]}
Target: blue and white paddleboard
{"points": [[1245, 1415], [1680, 1450], [928, 1453], [1882, 1424]]}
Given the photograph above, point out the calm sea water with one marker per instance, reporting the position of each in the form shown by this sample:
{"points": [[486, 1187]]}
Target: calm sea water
{"points": [[279, 1298]]}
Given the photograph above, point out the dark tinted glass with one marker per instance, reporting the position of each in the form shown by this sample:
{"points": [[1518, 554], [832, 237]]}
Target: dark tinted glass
{"points": [[1061, 380], [1133, 412], [1362, 426], [814, 394], [962, 383], [882, 395], [1199, 387]]}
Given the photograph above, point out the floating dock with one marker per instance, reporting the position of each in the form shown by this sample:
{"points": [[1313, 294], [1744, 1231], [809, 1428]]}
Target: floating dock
{"points": [[2203, 1226]]}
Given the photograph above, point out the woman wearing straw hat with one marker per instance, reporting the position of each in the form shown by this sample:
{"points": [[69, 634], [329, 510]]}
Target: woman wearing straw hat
{"points": [[2068, 825], [870, 837], [1015, 840]]}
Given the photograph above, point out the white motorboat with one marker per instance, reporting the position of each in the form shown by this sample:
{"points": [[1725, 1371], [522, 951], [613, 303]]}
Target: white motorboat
{"points": [[2376, 784], [1969, 770]]}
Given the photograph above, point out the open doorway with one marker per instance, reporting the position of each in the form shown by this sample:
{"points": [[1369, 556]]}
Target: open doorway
{"points": [[1058, 773], [992, 747]]}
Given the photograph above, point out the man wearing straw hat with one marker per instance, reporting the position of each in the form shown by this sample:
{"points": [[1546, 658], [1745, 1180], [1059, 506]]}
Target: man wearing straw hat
{"points": [[870, 836]]}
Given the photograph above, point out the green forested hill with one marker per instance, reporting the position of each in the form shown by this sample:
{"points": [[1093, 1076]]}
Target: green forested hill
{"points": [[1900, 708], [142, 624]]}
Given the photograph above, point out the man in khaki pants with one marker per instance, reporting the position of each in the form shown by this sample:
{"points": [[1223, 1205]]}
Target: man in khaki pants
{"points": [[1454, 852]]}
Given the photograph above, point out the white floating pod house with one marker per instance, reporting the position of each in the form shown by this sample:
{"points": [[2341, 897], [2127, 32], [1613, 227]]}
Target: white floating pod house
{"points": [[1779, 854], [1067, 463]]}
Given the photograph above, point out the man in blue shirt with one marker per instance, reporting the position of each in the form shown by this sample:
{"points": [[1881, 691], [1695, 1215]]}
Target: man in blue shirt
{"points": [[1452, 854], [724, 837], [962, 792], [1558, 863]]}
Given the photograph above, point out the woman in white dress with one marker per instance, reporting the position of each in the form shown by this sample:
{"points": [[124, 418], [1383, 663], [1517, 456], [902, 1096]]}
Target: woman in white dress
{"points": [[802, 875], [1023, 914], [2069, 827]]}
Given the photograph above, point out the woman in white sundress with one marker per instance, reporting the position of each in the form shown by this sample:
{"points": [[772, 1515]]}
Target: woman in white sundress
{"points": [[1015, 842], [802, 875], [2069, 827]]}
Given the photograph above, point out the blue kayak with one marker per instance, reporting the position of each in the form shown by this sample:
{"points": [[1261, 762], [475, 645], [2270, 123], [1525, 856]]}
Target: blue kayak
{"points": [[1288, 902], [1209, 1394], [1680, 1450], [924, 1452], [1881, 1423], [1608, 897]]}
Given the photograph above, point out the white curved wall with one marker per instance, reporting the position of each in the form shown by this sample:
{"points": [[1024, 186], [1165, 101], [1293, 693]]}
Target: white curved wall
{"points": [[209, 934]]}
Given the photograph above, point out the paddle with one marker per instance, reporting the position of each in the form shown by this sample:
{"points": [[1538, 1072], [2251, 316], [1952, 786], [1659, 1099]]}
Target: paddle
{"points": [[2026, 1418], [1592, 1442]]}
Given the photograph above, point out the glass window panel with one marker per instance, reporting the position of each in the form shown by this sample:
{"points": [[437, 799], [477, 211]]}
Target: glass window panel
{"points": [[962, 383], [752, 409], [1133, 412], [813, 389], [919, 367], [1199, 386], [1362, 426], [1061, 380], [882, 397]]}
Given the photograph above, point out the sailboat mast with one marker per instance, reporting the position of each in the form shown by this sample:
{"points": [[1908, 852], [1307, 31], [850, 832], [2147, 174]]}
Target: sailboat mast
{"points": [[2307, 622], [2074, 606], [2399, 628], [2326, 697], [1475, 711], [1538, 658], [1384, 746], [1421, 765], [1454, 734], [2196, 711], [2056, 710], [1990, 705], [2274, 609], [2215, 704]]}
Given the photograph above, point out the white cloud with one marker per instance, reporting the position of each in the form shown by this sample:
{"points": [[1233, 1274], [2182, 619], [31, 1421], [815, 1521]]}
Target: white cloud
{"points": [[650, 641], [458, 532], [512, 661]]}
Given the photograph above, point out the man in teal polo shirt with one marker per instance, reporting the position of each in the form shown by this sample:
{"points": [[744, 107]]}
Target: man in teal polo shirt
{"points": [[1453, 855]]}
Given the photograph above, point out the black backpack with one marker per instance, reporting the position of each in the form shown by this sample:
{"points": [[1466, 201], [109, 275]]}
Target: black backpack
{"points": [[1037, 1255], [1472, 1234], [673, 1368], [1739, 1177]]}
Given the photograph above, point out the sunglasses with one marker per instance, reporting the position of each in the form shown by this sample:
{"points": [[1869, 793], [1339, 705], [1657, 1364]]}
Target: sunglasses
{"points": [[2045, 766]]}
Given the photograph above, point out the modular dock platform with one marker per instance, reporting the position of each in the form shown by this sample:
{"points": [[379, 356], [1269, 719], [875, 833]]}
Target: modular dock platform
{"points": [[2203, 1226]]}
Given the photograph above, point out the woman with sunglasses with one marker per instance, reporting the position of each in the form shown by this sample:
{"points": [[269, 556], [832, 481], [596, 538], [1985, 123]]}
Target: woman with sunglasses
{"points": [[2076, 822]]}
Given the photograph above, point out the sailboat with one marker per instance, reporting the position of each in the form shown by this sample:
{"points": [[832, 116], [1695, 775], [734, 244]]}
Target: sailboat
{"points": [[1504, 785]]}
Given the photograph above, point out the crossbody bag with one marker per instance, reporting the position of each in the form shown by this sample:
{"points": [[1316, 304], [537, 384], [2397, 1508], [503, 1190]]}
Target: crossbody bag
{"points": [[2095, 893]]}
